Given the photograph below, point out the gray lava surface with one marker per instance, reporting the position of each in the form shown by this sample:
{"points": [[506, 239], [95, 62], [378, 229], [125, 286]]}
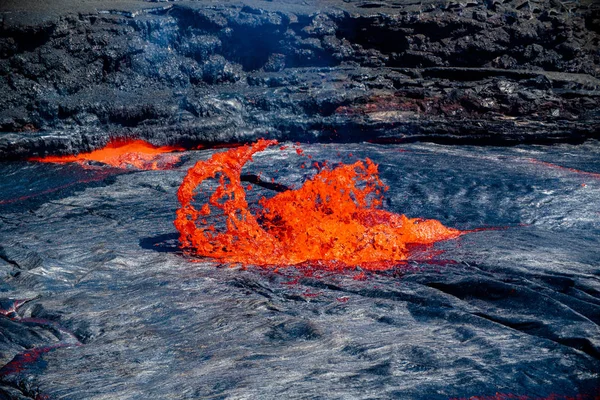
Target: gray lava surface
{"points": [[98, 302]]}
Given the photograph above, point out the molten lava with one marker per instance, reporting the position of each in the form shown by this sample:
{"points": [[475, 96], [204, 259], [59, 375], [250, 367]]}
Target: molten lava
{"points": [[334, 217], [123, 154], [560, 167]]}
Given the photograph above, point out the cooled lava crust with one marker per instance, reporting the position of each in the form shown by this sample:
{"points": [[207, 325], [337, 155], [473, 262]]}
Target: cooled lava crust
{"points": [[98, 299], [74, 73]]}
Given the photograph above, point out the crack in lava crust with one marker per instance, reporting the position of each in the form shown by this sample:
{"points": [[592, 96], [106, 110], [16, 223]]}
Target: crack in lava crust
{"points": [[334, 218]]}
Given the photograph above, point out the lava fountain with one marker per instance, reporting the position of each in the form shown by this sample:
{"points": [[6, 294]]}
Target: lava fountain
{"points": [[120, 153], [334, 218]]}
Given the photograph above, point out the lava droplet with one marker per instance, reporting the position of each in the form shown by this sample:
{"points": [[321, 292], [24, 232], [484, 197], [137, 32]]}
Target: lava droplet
{"points": [[334, 217], [123, 154]]}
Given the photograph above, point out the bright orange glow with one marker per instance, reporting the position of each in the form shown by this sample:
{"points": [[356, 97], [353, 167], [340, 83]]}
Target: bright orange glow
{"points": [[334, 217], [123, 154]]}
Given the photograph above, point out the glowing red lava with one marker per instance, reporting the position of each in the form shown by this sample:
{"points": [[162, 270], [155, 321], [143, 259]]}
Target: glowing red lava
{"points": [[560, 167], [334, 217], [123, 154]]}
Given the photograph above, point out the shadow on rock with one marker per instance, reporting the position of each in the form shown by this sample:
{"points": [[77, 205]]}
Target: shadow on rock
{"points": [[165, 243]]}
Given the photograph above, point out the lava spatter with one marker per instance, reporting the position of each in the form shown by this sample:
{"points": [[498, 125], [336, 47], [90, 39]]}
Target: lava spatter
{"points": [[335, 217], [119, 153]]}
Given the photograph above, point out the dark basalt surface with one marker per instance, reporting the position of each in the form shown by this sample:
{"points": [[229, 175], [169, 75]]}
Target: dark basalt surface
{"points": [[74, 73], [98, 302]]}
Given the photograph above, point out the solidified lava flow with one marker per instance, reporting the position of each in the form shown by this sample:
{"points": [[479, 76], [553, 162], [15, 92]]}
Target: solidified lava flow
{"points": [[503, 396], [334, 218], [123, 154]]}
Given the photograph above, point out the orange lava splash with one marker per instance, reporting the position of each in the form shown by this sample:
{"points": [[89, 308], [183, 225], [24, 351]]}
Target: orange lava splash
{"points": [[123, 154], [334, 217]]}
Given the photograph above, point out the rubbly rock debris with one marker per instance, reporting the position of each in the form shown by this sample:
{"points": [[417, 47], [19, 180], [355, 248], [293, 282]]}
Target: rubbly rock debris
{"points": [[191, 72]]}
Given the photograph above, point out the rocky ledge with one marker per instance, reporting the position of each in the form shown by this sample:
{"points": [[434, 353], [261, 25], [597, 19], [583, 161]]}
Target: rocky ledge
{"points": [[73, 74]]}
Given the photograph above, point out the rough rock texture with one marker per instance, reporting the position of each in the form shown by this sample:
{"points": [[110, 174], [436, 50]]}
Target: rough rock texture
{"points": [[74, 73], [97, 302]]}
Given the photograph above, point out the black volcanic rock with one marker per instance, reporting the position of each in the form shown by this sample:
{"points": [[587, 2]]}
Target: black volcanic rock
{"points": [[73, 74]]}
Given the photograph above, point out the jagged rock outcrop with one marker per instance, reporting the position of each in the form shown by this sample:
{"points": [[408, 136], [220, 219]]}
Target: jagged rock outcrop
{"points": [[72, 75]]}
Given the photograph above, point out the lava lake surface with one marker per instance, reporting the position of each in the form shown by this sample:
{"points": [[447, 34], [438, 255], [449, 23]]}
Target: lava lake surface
{"points": [[100, 302]]}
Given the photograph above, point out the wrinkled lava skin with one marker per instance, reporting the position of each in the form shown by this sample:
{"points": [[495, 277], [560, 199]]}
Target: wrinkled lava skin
{"points": [[513, 311], [510, 396], [334, 216]]}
